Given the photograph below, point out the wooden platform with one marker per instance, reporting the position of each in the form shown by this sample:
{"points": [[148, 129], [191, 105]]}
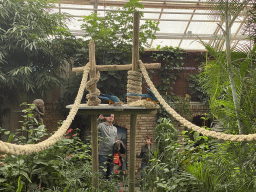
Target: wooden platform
{"points": [[106, 109]]}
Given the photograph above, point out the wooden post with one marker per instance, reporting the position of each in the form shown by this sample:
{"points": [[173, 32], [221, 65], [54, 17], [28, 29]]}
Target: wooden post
{"points": [[95, 161], [93, 99], [135, 50], [133, 123], [133, 117], [117, 67], [94, 126], [92, 60]]}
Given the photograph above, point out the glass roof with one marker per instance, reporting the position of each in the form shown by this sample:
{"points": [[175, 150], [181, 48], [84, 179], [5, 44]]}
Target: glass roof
{"points": [[180, 22]]}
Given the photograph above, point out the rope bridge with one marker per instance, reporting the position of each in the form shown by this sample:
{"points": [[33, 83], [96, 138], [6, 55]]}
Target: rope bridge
{"points": [[33, 148]]}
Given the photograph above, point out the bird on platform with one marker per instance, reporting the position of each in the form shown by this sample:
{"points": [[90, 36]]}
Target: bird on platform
{"points": [[112, 99], [150, 96]]}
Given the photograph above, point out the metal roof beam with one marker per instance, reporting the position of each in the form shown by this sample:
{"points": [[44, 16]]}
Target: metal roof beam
{"points": [[154, 4], [176, 36], [143, 11], [178, 20]]}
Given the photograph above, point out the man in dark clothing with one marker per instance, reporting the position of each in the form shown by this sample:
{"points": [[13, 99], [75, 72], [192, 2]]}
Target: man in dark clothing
{"points": [[145, 153]]}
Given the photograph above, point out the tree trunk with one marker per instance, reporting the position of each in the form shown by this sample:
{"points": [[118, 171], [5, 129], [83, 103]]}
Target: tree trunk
{"points": [[231, 74]]}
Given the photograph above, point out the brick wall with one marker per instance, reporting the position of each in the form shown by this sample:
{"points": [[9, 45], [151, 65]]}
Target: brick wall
{"points": [[52, 117]]}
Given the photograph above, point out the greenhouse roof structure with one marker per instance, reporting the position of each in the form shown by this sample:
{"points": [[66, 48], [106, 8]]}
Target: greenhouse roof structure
{"points": [[181, 22]]}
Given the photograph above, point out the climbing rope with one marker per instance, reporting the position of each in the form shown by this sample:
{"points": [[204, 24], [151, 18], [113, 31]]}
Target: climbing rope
{"points": [[171, 111], [33, 148], [134, 85]]}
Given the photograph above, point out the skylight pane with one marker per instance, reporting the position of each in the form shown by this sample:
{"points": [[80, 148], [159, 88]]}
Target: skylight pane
{"points": [[175, 16], [151, 16], [202, 27], [75, 23], [165, 42], [234, 28], [179, 10], [192, 45], [172, 27]]}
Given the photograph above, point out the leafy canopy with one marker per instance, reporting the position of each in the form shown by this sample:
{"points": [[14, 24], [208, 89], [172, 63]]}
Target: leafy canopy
{"points": [[30, 56]]}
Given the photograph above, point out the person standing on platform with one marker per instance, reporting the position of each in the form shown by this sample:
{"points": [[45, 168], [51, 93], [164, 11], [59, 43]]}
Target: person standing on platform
{"points": [[108, 136]]}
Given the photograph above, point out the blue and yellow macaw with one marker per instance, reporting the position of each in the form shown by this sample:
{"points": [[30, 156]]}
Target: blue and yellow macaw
{"points": [[111, 98], [150, 96]]}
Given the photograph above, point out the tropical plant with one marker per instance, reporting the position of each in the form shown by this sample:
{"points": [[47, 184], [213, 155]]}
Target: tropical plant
{"points": [[171, 60], [250, 27], [65, 165], [31, 47], [223, 78], [166, 165]]}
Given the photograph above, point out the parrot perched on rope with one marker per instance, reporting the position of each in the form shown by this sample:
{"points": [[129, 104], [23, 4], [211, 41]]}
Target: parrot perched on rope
{"points": [[149, 95], [111, 99]]}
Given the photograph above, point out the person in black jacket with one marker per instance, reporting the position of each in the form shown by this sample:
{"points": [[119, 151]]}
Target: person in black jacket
{"points": [[118, 160], [146, 151]]}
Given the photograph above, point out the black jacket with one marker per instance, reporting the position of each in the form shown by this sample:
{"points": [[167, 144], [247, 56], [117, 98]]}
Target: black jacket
{"points": [[145, 153]]}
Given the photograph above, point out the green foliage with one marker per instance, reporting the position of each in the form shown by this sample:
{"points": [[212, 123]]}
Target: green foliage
{"points": [[166, 165], [171, 60], [66, 164], [251, 27], [216, 83], [207, 166], [115, 30], [113, 43], [32, 49], [196, 90]]}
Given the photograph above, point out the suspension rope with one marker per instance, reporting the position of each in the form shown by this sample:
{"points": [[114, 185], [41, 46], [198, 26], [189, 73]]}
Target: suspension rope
{"points": [[33, 148], [171, 111]]}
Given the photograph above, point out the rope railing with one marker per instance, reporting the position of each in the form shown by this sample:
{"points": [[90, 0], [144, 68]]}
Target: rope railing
{"points": [[33, 148], [171, 111]]}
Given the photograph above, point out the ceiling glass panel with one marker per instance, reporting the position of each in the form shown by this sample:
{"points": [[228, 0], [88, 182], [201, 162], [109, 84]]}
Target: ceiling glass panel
{"points": [[175, 16], [179, 10], [151, 15], [171, 31], [202, 27], [234, 28], [75, 23], [172, 27], [165, 42]]}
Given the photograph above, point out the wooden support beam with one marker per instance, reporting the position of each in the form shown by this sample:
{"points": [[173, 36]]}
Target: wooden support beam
{"points": [[132, 150], [117, 67], [93, 74], [95, 162], [135, 50]]}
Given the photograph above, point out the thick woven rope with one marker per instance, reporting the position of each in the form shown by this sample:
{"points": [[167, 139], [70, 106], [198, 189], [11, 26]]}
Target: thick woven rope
{"points": [[33, 148], [171, 111], [134, 85]]}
